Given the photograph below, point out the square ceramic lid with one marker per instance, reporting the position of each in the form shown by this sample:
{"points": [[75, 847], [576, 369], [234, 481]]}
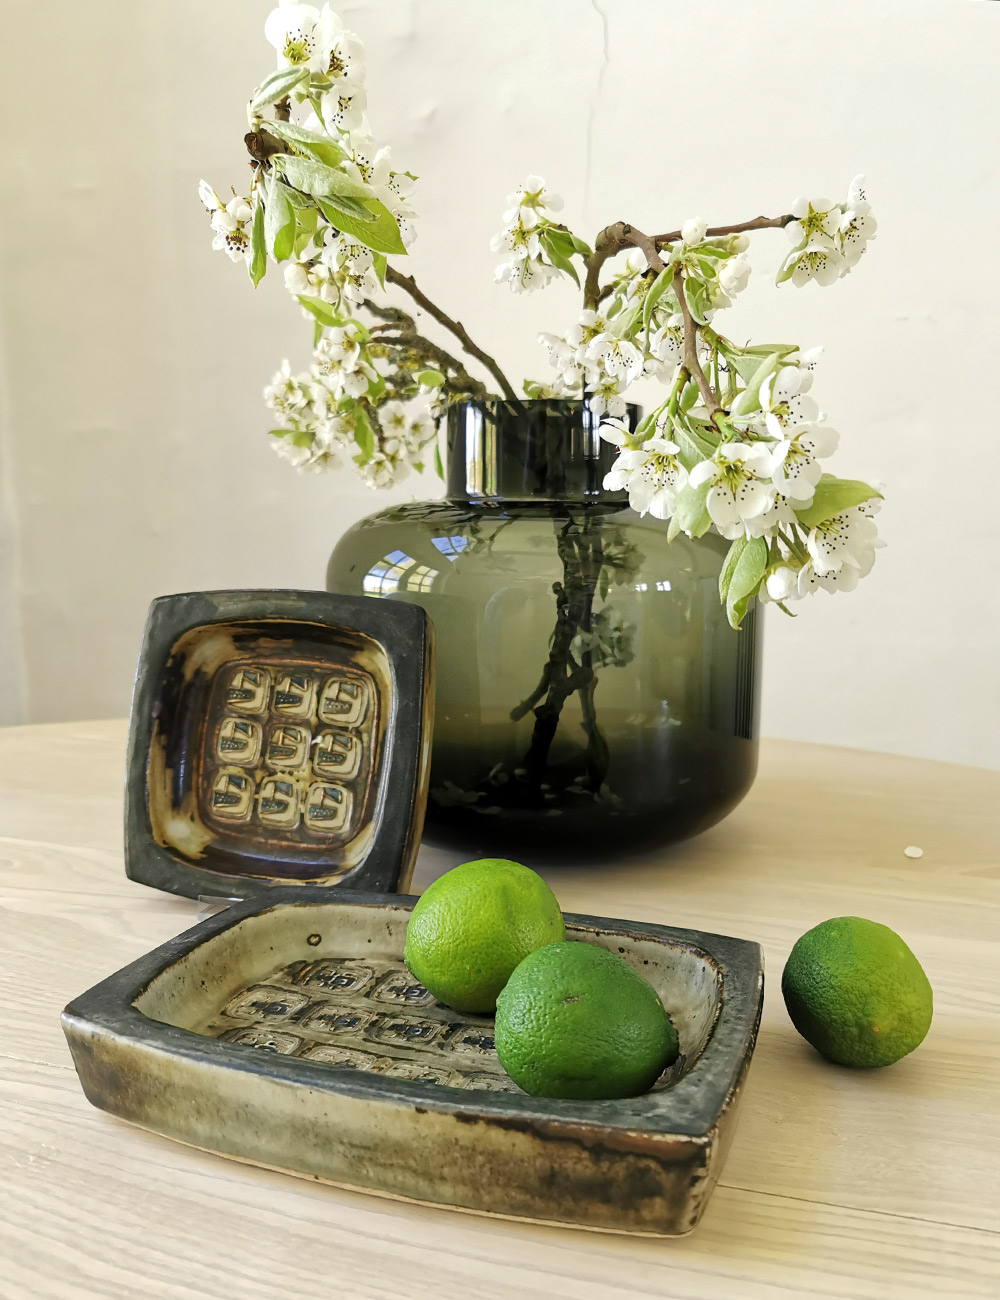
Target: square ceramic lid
{"points": [[278, 738]]}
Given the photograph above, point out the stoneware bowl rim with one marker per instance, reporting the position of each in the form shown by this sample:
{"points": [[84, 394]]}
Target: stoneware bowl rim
{"points": [[690, 1108]]}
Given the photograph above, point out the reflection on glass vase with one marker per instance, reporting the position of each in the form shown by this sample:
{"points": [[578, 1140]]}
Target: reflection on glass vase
{"points": [[591, 699]]}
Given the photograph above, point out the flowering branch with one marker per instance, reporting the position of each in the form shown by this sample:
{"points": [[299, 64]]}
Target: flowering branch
{"points": [[740, 228], [461, 383], [409, 285], [690, 348], [736, 445]]}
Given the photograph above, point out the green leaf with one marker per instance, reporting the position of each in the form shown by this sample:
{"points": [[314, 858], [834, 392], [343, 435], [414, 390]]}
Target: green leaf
{"points": [[787, 268], [438, 466], [559, 252], [697, 298], [317, 332], [378, 231], [430, 378], [317, 179], [691, 512], [379, 265], [277, 86], [653, 295], [749, 569], [258, 246], [745, 361], [693, 446], [364, 437], [318, 146], [732, 556], [345, 206], [626, 322], [749, 399], [689, 395], [832, 496], [279, 221], [323, 312]]}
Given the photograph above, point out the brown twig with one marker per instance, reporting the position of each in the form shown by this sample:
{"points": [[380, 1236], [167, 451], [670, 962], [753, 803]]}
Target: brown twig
{"points": [[407, 337], [409, 285], [691, 363], [611, 240], [713, 232], [622, 234]]}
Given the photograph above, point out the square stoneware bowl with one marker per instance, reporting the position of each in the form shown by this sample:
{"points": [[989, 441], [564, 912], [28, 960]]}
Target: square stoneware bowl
{"points": [[286, 1031]]}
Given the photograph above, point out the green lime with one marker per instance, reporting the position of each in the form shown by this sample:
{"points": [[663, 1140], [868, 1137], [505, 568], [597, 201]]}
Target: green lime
{"points": [[472, 926], [856, 992], [576, 1021]]}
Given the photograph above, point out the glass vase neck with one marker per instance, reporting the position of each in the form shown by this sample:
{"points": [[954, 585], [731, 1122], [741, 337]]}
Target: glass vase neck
{"points": [[535, 450]]}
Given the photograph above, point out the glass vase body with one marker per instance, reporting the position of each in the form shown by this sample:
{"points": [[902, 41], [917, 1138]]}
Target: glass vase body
{"points": [[592, 699]]}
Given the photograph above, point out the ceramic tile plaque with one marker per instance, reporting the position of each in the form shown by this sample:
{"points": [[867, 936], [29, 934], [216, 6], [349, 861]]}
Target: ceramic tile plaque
{"points": [[278, 737]]}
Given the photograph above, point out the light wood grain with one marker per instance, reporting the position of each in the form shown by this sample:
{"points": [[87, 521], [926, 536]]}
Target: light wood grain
{"points": [[839, 1184]]}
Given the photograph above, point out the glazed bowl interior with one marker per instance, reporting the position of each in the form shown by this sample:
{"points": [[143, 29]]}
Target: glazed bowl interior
{"points": [[327, 982]]}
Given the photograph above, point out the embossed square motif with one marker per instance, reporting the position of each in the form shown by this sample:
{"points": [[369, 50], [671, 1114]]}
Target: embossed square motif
{"points": [[266, 1002]]}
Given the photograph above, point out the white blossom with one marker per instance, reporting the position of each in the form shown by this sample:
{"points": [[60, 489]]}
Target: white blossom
{"points": [[806, 362], [519, 239], [343, 109], [734, 275], [605, 399], [347, 65], [524, 275], [231, 222], [666, 346], [565, 359], [351, 266], [310, 278], [371, 167], [813, 217], [783, 400], [651, 473], [303, 35], [617, 357], [846, 539], [795, 467], [532, 197], [288, 396], [339, 365], [857, 225], [739, 491]]}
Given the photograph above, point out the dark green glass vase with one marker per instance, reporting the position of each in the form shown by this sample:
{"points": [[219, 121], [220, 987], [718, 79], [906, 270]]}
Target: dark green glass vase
{"points": [[592, 699]]}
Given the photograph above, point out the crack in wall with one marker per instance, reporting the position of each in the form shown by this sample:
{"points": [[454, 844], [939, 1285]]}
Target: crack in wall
{"points": [[596, 101]]}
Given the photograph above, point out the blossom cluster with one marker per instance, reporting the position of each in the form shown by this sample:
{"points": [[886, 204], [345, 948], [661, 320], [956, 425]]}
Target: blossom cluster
{"points": [[738, 444], [326, 203], [829, 238], [763, 484], [537, 249]]}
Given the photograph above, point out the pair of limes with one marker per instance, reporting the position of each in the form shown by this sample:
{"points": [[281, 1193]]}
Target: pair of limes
{"points": [[572, 1019]]}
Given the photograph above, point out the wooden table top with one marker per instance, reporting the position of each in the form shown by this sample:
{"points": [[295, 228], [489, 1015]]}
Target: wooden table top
{"points": [[839, 1184]]}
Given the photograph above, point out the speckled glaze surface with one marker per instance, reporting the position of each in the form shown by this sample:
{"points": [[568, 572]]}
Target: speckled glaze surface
{"points": [[285, 1031], [278, 738]]}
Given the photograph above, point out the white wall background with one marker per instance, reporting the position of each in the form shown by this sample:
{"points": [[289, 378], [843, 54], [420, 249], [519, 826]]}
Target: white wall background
{"points": [[132, 443]]}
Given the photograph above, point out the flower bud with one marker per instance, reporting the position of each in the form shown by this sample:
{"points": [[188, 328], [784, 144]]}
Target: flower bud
{"points": [[693, 230]]}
